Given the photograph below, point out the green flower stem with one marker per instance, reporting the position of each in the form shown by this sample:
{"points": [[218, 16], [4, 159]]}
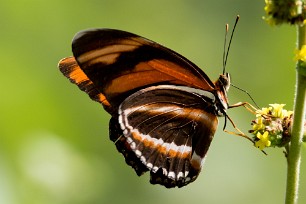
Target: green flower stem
{"points": [[294, 156]]}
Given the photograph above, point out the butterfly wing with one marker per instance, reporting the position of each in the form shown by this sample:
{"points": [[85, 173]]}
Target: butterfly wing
{"points": [[166, 132], [169, 131], [113, 64]]}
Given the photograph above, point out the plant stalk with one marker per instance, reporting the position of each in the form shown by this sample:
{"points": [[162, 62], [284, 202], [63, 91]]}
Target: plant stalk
{"points": [[294, 156]]}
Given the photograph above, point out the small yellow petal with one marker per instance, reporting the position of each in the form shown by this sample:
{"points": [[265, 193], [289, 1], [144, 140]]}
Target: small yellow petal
{"points": [[259, 124], [277, 110], [263, 140], [301, 54], [263, 111], [287, 113]]}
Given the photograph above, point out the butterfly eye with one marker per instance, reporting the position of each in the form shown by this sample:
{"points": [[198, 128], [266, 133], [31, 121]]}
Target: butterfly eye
{"points": [[224, 81], [227, 81]]}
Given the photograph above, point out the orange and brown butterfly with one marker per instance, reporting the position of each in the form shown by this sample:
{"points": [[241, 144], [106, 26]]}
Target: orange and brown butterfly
{"points": [[163, 107]]}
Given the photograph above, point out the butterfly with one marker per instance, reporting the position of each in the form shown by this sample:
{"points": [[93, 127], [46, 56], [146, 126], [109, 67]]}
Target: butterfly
{"points": [[164, 109]]}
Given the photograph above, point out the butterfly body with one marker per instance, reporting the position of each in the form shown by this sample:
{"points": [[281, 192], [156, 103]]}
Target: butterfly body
{"points": [[164, 108]]}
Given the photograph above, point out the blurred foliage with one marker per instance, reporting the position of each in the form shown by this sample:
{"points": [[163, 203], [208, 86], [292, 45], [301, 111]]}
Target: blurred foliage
{"points": [[54, 141]]}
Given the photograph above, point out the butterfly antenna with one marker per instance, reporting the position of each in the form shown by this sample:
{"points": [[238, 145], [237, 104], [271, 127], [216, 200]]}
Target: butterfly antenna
{"points": [[246, 93], [229, 44], [224, 47]]}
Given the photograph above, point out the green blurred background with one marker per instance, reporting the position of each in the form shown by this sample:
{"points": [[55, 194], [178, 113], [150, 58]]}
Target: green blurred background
{"points": [[54, 146]]}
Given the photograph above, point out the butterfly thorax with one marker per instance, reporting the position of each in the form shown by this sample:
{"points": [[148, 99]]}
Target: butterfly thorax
{"points": [[221, 87]]}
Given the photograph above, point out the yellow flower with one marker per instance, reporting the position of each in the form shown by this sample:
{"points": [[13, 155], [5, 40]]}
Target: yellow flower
{"points": [[263, 140], [300, 54], [263, 111], [272, 126], [258, 125], [277, 110], [287, 113]]}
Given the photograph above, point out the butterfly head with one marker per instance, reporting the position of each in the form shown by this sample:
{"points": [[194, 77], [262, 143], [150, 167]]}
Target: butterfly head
{"points": [[222, 87], [225, 81]]}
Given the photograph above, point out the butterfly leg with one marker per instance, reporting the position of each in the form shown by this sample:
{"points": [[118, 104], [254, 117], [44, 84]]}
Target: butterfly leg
{"points": [[246, 105], [238, 133]]}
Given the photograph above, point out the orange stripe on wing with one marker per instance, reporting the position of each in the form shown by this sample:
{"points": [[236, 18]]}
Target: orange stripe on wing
{"points": [[69, 67], [134, 80], [182, 75], [153, 72]]}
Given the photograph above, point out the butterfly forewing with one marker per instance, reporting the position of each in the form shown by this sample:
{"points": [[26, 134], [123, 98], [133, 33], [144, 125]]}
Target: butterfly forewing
{"points": [[120, 63]]}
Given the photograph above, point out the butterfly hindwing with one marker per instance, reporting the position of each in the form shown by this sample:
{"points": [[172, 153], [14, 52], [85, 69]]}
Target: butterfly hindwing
{"points": [[169, 131]]}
